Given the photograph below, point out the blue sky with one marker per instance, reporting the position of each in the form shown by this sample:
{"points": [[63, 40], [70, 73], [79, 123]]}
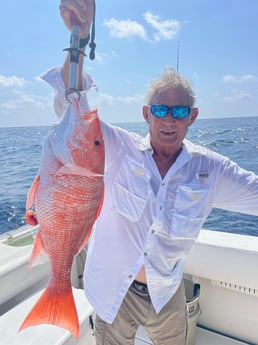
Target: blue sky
{"points": [[135, 40]]}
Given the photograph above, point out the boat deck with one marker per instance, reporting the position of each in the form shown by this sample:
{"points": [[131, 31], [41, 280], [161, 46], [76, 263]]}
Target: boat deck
{"points": [[203, 337], [48, 334], [19, 291]]}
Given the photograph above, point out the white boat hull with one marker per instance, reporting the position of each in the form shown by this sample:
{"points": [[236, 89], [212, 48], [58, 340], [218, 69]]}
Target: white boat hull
{"points": [[225, 266]]}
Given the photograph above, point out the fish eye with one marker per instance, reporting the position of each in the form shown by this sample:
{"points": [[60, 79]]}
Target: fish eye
{"points": [[97, 142]]}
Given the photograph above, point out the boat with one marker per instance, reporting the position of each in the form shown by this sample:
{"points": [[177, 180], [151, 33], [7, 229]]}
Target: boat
{"points": [[220, 276]]}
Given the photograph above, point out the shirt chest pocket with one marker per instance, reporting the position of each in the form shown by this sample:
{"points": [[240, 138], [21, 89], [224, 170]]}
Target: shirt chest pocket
{"points": [[190, 210], [130, 189]]}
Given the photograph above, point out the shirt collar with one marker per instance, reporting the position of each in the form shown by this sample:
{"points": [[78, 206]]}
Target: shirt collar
{"points": [[185, 155], [144, 144]]}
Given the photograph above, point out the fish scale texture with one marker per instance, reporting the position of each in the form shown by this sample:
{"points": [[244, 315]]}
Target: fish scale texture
{"points": [[67, 196]]}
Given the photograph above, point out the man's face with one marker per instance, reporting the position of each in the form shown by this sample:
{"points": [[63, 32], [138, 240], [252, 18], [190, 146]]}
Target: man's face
{"points": [[168, 133]]}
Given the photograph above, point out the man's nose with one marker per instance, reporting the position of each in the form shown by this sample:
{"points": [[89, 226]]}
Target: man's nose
{"points": [[169, 117]]}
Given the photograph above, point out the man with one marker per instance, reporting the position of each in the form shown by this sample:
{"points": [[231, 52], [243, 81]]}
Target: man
{"points": [[158, 192]]}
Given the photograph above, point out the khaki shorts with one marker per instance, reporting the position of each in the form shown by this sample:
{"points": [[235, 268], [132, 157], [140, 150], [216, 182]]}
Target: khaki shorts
{"points": [[168, 327]]}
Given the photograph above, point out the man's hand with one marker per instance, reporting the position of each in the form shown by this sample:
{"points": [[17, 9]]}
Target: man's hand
{"points": [[77, 12]]}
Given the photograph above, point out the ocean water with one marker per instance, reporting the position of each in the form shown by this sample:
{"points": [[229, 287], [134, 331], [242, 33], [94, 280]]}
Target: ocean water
{"points": [[20, 150]]}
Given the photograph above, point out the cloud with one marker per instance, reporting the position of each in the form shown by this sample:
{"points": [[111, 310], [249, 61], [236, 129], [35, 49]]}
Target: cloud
{"points": [[136, 99], [25, 101], [100, 57], [26, 109], [166, 29], [238, 95], [238, 80], [103, 99], [118, 108], [12, 81], [242, 89], [125, 28]]}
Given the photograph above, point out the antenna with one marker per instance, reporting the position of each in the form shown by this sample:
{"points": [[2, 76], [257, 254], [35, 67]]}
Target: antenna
{"points": [[177, 59]]}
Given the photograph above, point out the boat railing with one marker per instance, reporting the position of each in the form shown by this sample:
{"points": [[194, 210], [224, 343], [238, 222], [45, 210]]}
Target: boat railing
{"points": [[20, 237]]}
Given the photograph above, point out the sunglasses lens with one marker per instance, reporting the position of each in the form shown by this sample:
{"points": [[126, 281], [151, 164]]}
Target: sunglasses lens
{"points": [[181, 112], [159, 110]]}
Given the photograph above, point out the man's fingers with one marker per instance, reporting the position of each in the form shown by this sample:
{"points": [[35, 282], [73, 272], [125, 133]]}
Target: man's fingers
{"points": [[79, 7], [77, 12], [66, 15]]}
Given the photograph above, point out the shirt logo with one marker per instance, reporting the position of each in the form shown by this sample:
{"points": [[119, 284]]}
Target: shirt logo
{"points": [[202, 175], [138, 172]]}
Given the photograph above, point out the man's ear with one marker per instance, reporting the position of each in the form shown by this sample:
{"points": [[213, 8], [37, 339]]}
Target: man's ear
{"points": [[145, 113], [193, 115]]}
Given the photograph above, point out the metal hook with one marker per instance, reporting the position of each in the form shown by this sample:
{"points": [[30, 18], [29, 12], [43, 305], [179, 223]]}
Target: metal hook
{"points": [[74, 62], [69, 91], [75, 56]]}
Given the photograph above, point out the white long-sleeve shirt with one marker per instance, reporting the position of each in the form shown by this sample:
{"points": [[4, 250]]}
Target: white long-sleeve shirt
{"points": [[150, 221]]}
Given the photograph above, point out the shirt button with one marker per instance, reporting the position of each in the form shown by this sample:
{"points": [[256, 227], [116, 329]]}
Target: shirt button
{"points": [[152, 231], [160, 207], [145, 254], [130, 276]]}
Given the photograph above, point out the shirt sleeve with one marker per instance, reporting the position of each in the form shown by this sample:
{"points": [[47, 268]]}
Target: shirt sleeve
{"points": [[236, 189], [54, 77]]}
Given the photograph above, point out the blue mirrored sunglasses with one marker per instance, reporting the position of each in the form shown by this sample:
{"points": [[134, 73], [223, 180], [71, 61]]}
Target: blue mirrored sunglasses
{"points": [[178, 112]]}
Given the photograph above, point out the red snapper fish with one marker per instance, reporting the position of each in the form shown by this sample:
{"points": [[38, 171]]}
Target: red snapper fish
{"points": [[67, 196]]}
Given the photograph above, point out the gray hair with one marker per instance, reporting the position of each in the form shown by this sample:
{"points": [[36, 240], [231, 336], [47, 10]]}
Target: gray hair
{"points": [[170, 79]]}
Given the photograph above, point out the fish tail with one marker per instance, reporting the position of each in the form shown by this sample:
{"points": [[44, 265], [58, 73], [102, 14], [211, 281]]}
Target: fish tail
{"points": [[57, 308]]}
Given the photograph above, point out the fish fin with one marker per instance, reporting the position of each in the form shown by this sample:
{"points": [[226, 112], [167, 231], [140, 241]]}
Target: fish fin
{"points": [[85, 241], [39, 254], [100, 204], [71, 169], [83, 245], [56, 308], [30, 217], [32, 193]]}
